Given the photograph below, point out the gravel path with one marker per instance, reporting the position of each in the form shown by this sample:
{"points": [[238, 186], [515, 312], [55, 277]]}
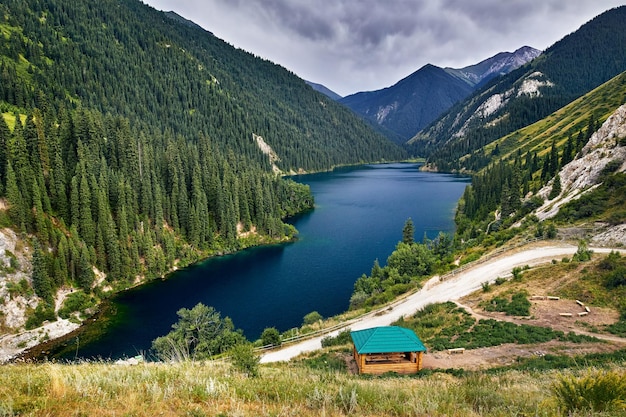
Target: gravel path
{"points": [[436, 291]]}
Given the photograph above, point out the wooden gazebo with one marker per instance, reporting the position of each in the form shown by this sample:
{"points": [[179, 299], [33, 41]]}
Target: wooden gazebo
{"points": [[387, 349]]}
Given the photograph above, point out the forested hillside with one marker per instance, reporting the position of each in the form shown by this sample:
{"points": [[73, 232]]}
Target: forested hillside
{"points": [[520, 164], [570, 68], [123, 58], [126, 143]]}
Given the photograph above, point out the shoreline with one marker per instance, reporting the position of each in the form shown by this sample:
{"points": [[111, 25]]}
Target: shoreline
{"points": [[35, 344]]}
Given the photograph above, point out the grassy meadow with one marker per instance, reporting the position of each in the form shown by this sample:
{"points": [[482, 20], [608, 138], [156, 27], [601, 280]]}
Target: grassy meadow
{"points": [[317, 386]]}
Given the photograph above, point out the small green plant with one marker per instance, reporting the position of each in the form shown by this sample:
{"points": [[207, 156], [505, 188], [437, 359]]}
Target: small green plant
{"points": [[486, 286], [597, 391], [270, 337], [312, 318], [518, 305], [77, 301], [342, 338], [43, 312], [517, 273], [245, 360], [21, 288], [583, 254]]}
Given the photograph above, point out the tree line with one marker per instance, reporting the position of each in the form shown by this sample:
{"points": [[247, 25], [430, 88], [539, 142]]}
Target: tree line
{"points": [[94, 191]]}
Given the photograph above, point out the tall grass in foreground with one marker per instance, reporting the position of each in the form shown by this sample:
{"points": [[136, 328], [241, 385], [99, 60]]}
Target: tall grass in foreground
{"points": [[217, 389]]}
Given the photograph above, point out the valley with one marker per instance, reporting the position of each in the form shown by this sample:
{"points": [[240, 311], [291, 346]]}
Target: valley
{"points": [[147, 166]]}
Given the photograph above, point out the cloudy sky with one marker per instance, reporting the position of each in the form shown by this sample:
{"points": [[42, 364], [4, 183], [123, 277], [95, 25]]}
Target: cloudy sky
{"points": [[364, 45]]}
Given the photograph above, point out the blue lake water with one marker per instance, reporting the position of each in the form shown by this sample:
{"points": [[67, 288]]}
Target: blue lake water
{"points": [[359, 216]]}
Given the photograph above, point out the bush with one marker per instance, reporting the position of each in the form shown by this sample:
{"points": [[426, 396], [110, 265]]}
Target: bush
{"points": [[312, 318], [518, 305], [199, 334], [21, 288], [270, 336], [597, 391], [76, 301], [343, 338], [43, 312], [583, 254], [245, 360], [500, 281]]}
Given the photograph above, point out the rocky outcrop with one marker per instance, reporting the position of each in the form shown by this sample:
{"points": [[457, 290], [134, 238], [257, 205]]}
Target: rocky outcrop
{"points": [[582, 174], [17, 297], [15, 266]]}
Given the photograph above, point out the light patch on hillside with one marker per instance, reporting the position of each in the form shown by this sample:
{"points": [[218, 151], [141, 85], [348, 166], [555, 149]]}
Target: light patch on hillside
{"points": [[530, 86], [488, 107], [492, 105], [15, 265], [383, 112], [581, 175], [267, 150]]}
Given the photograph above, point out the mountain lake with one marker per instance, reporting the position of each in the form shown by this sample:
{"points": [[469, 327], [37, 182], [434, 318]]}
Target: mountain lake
{"points": [[358, 217]]}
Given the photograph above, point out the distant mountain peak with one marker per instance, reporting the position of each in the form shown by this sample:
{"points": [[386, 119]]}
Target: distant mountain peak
{"points": [[324, 90], [499, 64], [416, 100]]}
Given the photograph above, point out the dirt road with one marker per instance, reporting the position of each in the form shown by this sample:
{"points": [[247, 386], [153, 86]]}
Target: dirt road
{"points": [[436, 291]]}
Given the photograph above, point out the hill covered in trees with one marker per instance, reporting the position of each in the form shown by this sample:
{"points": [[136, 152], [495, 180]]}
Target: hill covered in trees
{"points": [[127, 144]]}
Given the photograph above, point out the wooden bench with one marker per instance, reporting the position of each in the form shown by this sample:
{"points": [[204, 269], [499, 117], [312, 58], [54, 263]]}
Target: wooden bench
{"points": [[455, 350]]}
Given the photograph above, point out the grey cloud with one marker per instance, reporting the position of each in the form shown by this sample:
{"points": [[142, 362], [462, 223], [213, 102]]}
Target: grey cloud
{"points": [[355, 45]]}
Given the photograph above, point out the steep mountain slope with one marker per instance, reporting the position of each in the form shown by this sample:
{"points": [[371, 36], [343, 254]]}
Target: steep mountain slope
{"points": [[549, 163], [411, 104], [573, 66], [585, 173], [324, 90], [128, 59]]}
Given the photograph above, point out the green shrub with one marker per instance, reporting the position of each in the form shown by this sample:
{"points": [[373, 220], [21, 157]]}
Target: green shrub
{"points": [[312, 318], [21, 288], [43, 312], [518, 305], [270, 337], [245, 360], [597, 391], [343, 338], [77, 301]]}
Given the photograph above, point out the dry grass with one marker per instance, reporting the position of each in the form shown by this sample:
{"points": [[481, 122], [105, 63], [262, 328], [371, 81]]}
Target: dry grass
{"points": [[215, 389]]}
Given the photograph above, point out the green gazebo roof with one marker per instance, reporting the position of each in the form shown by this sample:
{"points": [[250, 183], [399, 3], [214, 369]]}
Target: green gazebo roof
{"points": [[386, 339]]}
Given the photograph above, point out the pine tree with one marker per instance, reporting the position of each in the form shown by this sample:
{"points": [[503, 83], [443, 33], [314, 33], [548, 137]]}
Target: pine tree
{"points": [[408, 232], [556, 187], [41, 280], [85, 221], [85, 275], [14, 196], [5, 135]]}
